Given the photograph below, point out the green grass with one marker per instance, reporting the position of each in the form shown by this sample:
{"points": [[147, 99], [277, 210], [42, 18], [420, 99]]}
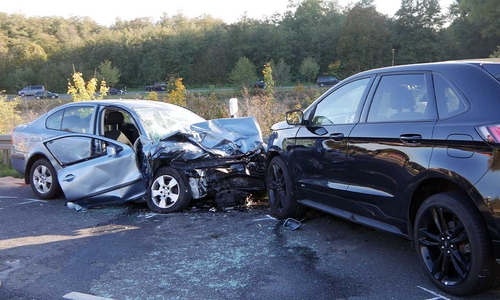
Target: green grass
{"points": [[6, 171]]}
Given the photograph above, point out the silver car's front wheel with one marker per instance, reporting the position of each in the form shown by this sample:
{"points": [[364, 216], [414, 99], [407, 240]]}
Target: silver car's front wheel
{"points": [[169, 191]]}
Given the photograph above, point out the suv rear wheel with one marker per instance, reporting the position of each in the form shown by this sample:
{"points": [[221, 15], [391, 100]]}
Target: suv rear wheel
{"points": [[453, 245]]}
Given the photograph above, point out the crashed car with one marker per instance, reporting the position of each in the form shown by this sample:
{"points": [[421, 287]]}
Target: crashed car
{"points": [[110, 152]]}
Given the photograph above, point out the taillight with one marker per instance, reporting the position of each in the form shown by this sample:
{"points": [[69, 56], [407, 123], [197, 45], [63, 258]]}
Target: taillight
{"points": [[490, 133]]}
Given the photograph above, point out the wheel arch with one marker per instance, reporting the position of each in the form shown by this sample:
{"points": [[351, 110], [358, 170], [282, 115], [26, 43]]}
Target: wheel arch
{"points": [[435, 183]]}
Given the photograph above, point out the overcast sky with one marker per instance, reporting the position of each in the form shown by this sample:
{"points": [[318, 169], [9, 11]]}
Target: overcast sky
{"points": [[105, 12]]}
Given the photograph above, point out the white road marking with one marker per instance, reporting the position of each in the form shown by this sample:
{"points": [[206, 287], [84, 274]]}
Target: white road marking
{"points": [[268, 217], [29, 201], [80, 296], [7, 197], [438, 296]]}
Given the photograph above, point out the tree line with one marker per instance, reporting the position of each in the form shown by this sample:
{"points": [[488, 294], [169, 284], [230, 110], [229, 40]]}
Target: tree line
{"points": [[311, 38]]}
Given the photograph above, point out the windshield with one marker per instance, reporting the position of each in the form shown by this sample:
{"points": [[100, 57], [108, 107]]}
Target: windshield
{"points": [[160, 122]]}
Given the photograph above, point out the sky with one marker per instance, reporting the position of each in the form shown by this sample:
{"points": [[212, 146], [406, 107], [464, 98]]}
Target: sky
{"points": [[105, 12]]}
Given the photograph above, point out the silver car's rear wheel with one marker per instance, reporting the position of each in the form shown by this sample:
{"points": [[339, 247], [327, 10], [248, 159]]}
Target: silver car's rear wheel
{"points": [[43, 179], [169, 191]]}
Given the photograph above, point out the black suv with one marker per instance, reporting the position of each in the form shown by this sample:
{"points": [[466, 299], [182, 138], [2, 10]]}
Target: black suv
{"points": [[413, 150]]}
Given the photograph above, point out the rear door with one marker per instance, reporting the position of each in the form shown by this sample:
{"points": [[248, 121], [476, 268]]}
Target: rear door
{"points": [[389, 152], [96, 171]]}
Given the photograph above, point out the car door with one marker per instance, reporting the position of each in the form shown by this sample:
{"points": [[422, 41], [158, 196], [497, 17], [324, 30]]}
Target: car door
{"points": [[96, 171], [390, 151], [320, 152]]}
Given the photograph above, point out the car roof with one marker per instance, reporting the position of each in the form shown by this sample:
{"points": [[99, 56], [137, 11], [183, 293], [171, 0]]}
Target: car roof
{"points": [[431, 65], [132, 103]]}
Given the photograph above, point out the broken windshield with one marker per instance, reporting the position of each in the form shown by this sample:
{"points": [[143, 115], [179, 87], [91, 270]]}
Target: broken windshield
{"points": [[160, 122]]}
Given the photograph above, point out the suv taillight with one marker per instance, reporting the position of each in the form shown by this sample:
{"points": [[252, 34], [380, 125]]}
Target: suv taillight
{"points": [[490, 133]]}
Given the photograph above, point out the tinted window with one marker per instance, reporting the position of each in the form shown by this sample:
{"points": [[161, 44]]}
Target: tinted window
{"points": [[74, 119], [448, 100], [402, 98], [342, 105], [493, 69]]}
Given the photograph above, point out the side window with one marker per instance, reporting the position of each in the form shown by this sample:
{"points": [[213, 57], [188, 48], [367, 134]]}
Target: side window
{"points": [[448, 101], [70, 150], [75, 119], [401, 98], [54, 121], [342, 105]]}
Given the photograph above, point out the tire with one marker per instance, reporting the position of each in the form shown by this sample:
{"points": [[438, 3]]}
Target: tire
{"points": [[43, 180], [453, 245], [23, 95], [169, 191], [53, 97], [282, 198]]}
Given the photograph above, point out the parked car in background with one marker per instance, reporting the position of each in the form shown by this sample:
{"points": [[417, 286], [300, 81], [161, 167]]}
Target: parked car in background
{"points": [[46, 95], [114, 91], [259, 84], [412, 150], [108, 152], [31, 90], [327, 81], [157, 86]]}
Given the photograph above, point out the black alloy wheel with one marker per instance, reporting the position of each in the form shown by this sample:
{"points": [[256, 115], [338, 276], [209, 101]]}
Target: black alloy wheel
{"points": [[279, 189], [452, 244]]}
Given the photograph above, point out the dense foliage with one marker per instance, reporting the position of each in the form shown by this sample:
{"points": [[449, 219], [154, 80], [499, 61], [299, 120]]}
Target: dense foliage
{"points": [[205, 51]]}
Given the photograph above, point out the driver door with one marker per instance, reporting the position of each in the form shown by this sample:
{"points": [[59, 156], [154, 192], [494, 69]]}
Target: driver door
{"points": [[96, 171], [320, 155]]}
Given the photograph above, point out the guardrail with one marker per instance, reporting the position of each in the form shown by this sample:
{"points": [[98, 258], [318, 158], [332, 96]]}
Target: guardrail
{"points": [[5, 148]]}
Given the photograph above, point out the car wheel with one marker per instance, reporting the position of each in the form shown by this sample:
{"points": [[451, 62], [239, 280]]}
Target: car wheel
{"points": [[23, 95], [37, 98], [43, 179], [169, 191], [453, 244], [53, 97], [280, 191]]}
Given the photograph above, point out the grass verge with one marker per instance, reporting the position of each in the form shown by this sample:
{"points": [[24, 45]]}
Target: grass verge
{"points": [[6, 171]]}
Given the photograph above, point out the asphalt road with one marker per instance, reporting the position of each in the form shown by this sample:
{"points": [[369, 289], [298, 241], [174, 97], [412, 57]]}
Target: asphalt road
{"points": [[49, 252]]}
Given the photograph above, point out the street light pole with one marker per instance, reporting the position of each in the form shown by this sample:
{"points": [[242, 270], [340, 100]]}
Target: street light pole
{"points": [[393, 56]]}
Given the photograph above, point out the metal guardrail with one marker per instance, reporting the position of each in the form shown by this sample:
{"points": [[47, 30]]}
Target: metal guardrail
{"points": [[5, 141], [5, 148]]}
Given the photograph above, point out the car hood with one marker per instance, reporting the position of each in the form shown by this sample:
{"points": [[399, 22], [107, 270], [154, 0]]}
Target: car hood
{"points": [[223, 137]]}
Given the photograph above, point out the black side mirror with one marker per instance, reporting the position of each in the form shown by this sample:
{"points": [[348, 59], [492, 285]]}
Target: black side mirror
{"points": [[294, 117]]}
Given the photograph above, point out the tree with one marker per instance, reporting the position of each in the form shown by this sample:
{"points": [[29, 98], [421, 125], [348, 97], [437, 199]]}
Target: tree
{"points": [[281, 73], [464, 38], [364, 41], [268, 80], [81, 91], [109, 73], [309, 68], [485, 14], [243, 73], [9, 116], [178, 94], [416, 35]]}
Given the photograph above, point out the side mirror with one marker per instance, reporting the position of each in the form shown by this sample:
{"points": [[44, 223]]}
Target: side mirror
{"points": [[112, 150], [294, 117]]}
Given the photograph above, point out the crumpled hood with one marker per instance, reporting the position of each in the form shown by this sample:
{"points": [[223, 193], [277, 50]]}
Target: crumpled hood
{"points": [[220, 137]]}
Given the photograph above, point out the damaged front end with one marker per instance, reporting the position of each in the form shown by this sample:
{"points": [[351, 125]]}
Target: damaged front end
{"points": [[223, 158]]}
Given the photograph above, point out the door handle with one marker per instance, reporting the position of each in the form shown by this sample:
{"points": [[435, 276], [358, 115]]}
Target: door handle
{"points": [[337, 136], [411, 138], [69, 178]]}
